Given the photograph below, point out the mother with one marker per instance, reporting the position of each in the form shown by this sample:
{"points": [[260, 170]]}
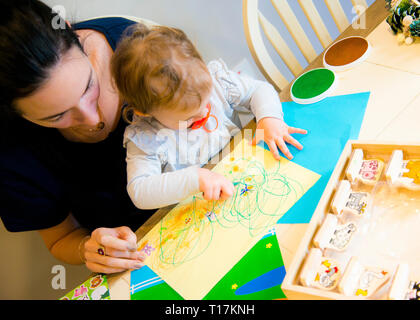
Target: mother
{"points": [[62, 164]]}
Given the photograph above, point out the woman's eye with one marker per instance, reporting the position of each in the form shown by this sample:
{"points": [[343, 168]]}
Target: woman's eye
{"points": [[57, 118], [90, 85]]}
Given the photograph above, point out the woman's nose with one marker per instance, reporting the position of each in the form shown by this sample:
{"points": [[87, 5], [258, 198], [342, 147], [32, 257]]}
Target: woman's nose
{"points": [[89, 115]]}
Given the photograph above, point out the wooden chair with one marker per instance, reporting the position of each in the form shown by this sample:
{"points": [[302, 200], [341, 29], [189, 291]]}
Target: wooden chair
{"points": [[253, 18]]}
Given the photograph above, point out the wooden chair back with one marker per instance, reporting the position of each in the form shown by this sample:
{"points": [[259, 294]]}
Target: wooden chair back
{"points": [[253, 19]]}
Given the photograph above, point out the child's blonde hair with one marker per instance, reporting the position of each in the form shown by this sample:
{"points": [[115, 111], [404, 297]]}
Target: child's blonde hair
{"points": [[157, 67]]}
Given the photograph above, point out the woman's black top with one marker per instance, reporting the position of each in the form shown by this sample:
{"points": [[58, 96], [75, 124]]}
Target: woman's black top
{"points": [[44, 177]]}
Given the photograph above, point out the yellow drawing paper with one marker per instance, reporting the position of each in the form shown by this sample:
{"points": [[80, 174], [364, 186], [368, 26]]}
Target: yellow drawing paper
{"points": [[199, 241]]}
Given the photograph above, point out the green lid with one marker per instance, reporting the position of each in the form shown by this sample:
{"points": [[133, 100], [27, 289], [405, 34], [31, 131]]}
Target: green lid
{"points": [[313, 84]]}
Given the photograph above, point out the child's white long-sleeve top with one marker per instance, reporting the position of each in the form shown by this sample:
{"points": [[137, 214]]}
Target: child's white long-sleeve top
{"points": [[162, 163]]}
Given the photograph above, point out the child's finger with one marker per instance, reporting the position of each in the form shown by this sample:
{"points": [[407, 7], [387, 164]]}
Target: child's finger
{"points": [[207, 194], [227, 191], [229, 185], [297, 130], [283, 148], [232, 188], [293, 142], [224, 196], [217, 191], [213, 193], [273, 148]]}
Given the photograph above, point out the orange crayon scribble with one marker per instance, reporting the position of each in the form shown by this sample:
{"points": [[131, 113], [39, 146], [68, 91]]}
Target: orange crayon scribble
{"points": [[141, 247], [181, 217]]}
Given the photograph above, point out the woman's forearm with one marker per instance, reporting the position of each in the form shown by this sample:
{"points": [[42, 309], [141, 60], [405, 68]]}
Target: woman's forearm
{"points": [[64, 240], [67, 242], [70, 248]]}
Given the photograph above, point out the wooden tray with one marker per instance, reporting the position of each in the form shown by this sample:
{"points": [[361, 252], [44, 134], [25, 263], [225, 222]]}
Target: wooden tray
{"points": [[372, 150]]}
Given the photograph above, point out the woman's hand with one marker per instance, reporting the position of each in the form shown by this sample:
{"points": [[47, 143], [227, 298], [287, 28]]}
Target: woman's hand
{"points": [[214, 186], [119, 246], [275, 132]]}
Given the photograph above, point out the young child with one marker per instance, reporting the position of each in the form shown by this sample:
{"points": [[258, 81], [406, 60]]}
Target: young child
{"points": [[184, 113]]}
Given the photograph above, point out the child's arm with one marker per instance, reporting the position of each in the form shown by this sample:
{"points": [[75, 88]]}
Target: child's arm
{"points": [[149, 188], [263, 101]]}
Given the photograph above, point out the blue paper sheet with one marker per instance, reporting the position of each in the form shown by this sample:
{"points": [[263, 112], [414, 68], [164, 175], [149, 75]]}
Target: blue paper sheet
{"points": [[143, 278], [330, 123]]}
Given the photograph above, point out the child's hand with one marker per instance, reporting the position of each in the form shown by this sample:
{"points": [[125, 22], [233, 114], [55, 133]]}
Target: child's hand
{"points": [[214, 186], [275, 132]]}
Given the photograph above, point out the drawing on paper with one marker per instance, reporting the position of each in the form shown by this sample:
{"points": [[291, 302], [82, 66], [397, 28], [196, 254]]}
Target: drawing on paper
{"points": [[206, 235]]}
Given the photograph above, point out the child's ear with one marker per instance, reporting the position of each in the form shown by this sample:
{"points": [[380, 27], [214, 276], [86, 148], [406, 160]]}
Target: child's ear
{"points": [[140, 114]]}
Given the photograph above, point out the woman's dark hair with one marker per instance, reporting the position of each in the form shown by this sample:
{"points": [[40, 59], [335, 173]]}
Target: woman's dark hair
{"points": [[30, 46]]}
